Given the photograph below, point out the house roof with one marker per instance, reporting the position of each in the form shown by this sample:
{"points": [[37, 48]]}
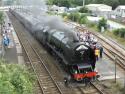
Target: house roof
{"points": [[100, 7], [97, 5], [104, 9], [121, 6]]}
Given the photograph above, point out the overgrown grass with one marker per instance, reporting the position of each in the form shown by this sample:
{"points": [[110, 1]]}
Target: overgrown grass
{"points": [[15, 79], [117, 21], [117, 88], [116, 38]]}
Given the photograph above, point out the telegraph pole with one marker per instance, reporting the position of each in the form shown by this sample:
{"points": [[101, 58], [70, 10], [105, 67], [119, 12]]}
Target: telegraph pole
{"points": [[83, 3], [115, 61], [115, 67]]}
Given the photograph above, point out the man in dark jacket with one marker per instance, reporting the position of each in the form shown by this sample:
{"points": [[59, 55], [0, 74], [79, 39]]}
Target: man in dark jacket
{"points": [[101, 51]]}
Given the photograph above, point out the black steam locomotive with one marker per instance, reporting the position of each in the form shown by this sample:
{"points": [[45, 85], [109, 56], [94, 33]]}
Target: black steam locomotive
{"points": [[78, 58]]}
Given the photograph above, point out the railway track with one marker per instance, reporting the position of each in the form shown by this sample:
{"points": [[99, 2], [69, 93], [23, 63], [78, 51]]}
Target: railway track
{"points": [[46, 82], [111, 48], [92, 88], [97, 88]]}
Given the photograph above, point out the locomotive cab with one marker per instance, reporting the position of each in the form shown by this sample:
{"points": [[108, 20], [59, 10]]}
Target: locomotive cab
{"points": [[81, 72]]}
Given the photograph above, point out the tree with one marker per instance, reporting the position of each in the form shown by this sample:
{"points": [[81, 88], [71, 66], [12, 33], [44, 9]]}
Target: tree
{"points": [[83, 19], [102, 23], [65, 3], [119, 32], [84, 10], [99, 1], [11, 2], [8, 2], [113, 3], [74, 3], [122, 2], [49, 2], [1, 19], [74, 17]]}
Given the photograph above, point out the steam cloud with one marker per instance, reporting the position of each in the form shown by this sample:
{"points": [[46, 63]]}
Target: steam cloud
{"points": [[54, 22]]}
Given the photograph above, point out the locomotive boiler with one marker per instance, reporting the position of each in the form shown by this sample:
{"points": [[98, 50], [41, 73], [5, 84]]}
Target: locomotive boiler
{"points": [[78, 58]]}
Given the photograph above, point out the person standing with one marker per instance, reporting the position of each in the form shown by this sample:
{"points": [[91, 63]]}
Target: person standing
{"points": [[6, 40], [93, 58], [97, 53], [101, 51]]}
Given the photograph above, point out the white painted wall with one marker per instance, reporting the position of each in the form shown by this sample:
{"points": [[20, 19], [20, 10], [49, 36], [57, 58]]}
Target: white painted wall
{"points": [[100, 9], [119, 11]]}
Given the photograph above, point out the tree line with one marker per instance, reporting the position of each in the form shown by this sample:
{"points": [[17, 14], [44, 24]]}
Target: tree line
{"points": [[74, 3]]}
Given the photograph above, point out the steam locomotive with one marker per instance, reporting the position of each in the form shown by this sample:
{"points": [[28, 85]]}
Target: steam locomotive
{"points": [[78, 57]]}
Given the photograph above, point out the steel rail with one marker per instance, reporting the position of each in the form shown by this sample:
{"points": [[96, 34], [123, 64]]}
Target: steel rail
{"points": [[94, 87], [42, 89], [100, 91]]}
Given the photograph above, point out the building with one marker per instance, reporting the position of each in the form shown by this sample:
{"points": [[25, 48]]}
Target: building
{"points": [[100, 10], [58, 9], [119, 12], [62, 9]]}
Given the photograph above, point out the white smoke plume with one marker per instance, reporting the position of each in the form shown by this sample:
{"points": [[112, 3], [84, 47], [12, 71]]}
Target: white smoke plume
{"points": [[54, 22], [36, 6]]}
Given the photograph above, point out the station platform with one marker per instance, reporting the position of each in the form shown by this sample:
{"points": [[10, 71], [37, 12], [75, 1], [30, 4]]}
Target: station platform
{"points": [[106, 68], [13, 52]]}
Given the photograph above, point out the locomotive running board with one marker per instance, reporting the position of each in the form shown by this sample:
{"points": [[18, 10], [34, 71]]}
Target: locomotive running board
{"points": [[60, 55]]}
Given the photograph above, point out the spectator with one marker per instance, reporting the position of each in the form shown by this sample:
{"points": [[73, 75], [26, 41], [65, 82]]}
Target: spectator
{"points": [[101, 51], [93, 58], [9, 24], [6, 40], [97, 53], [6, 31]]}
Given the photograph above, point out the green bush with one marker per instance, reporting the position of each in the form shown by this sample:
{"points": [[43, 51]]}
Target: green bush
{"points": [[91, 24], [116, 32], [102, 23], [1, 17], [119, 32], [64, 14], [74, 17], [83, 19], [15, 79], [83, 10], [122, 33], [70, 16]]}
